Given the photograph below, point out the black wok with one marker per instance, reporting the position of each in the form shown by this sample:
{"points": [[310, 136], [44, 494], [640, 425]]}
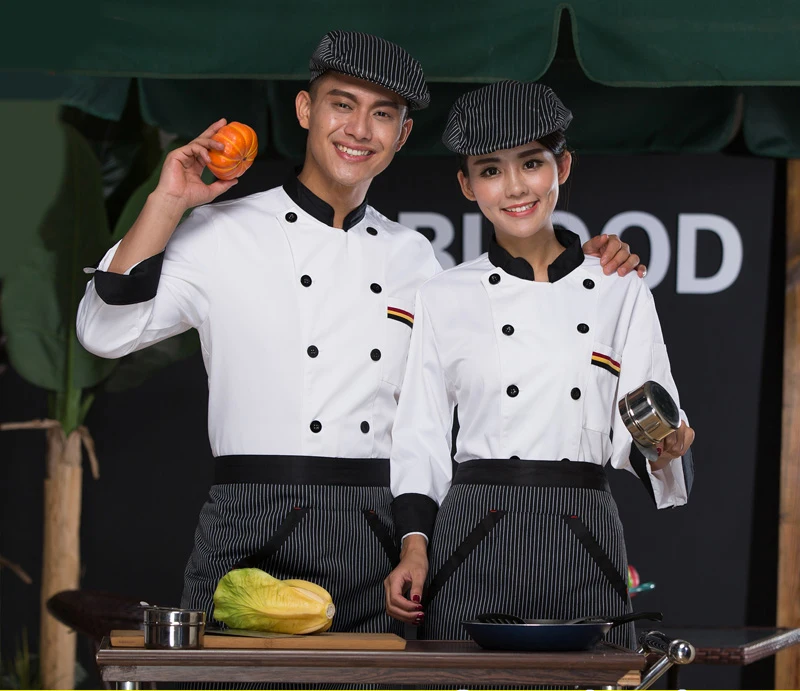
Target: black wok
{"points": [[505, 632]]}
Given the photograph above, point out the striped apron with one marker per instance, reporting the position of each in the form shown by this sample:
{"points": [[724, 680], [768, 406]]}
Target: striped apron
{"points": [[536, 539], [324, 520]]}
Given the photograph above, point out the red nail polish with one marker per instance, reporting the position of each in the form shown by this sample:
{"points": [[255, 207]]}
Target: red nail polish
{"points": [[415, 598]]}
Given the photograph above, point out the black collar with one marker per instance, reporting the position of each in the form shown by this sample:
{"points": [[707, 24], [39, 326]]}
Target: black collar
{"points": [[566, 262], [318, 208]]}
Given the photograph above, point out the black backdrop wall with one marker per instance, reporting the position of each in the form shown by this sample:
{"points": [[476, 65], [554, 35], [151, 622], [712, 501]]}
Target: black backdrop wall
{"points": [[710, 229]]}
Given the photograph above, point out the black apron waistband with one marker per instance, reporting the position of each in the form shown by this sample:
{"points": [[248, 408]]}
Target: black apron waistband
{"points": [[301, 470], [506, 471]]}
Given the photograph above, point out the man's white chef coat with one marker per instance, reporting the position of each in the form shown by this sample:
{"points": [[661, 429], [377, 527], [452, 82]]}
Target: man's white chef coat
{"points": [[304, 327]]}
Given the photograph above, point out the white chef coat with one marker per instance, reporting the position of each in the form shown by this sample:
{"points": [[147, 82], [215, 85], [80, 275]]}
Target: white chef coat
{"points": [[532, 368], [304, 327]]}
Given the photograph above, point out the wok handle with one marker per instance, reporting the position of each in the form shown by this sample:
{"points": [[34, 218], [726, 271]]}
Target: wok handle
{"points": [[674, 652], [635, 616]]}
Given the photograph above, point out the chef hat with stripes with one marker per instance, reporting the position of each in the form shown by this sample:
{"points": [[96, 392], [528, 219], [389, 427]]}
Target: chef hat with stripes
{"points": [[503, 115], [372, 59]]}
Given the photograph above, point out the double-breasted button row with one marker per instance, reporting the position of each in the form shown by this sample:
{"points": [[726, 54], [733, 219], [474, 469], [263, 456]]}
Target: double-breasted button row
{"points": [[316, 427]]}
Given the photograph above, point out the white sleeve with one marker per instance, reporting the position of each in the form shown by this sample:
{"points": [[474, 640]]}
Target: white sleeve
{"points": [[421, 466], [160, 297], [644, 358]]}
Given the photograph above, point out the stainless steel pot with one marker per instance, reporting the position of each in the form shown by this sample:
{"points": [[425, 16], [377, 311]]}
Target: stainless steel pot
{"points": [[166, 628], [649, 413]]}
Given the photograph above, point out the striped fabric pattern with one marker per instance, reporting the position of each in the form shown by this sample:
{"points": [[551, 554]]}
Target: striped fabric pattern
{"points": [[606, 362], [503, 115], [372, 59], [531, 564], [400, 315], [333, 546]]}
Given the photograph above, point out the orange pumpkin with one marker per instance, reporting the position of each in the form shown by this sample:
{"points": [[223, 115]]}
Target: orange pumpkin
{"points": [[241, 147]]}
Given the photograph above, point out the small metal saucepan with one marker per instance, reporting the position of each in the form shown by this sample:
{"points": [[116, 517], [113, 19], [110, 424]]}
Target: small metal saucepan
{"points": [[649, 413], [507, 632], [167, 628]]}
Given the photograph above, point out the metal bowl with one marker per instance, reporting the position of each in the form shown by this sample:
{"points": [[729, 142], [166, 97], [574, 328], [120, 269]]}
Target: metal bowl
{"points": [[649, 413], [167, 628]]}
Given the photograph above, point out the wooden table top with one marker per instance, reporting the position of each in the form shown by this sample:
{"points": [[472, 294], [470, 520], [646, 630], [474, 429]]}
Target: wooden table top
{"points": [[422, 662]]}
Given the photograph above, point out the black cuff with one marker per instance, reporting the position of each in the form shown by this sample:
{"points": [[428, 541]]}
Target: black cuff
{"points": [[140, 285], [688, 470], [414, 513], [639, 465]]}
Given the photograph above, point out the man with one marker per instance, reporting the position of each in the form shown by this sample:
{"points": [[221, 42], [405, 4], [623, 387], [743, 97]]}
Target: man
{"points": [[303, 298]]}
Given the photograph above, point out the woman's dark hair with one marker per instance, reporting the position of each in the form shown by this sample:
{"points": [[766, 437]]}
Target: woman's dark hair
{"points": [[555, 143]]}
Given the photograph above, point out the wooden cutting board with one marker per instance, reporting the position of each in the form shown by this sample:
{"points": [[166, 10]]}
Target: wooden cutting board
{"points": [[278, 641]]}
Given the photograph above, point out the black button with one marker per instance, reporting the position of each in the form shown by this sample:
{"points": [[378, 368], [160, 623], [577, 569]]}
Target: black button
{"points": [[508, 329], [375, 354], [316, 426], [563, 460], [512, 390], [515, 458], [583, 328], [375, 288], [312, 351], [291, 217], [588, 283], [372, 231], [305, 280], [575, 393], [365, 427], [494, 279]]}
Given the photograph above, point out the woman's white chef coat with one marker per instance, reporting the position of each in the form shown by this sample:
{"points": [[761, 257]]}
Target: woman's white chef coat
{"points": [[535, 368]]}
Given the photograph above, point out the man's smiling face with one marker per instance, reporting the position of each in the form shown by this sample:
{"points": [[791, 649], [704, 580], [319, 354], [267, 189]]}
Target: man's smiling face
{"points": [[354, 128]]}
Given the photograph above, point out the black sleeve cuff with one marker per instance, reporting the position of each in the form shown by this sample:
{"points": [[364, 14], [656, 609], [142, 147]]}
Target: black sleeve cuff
{"points": [[414, 513], [639, 465], [688, 470], [140, 285]]}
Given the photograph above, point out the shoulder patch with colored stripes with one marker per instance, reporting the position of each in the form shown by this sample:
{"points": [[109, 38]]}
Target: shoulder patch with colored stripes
{"points": [[606, 363], [400, 315]]}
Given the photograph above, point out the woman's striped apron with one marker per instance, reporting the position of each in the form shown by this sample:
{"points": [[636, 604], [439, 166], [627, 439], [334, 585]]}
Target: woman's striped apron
{"points": [[536, 539]]}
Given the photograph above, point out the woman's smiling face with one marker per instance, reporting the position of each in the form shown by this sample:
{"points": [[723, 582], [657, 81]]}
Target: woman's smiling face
{"points": [[516, 189]]}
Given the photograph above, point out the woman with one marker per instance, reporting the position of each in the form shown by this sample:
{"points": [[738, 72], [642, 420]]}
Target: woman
{"points": [[535, 345]]}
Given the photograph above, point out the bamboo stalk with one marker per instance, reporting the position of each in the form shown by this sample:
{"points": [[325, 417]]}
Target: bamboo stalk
{"points": [[61, 556], [787, 664]]}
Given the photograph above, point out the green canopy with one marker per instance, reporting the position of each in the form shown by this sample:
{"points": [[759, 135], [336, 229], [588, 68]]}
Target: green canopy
{"points": [[617, 42], [190, 65]]}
